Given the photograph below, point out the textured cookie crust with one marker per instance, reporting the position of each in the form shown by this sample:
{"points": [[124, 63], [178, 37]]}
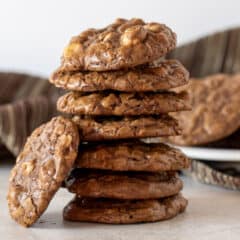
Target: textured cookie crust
{"points": [[43, 164], [167, 74], [122, 104], [123, 185], [132, 156], [116, 211], [123, 44], [97, 129], [215, 110]]}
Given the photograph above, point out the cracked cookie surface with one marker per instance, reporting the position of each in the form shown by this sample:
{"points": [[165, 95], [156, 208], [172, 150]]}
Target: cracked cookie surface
{"points": [[115, 211], [109, 128], [123, 104], [131, 156], [123, 185], [43, 164], [123, 44], [165, 75]]}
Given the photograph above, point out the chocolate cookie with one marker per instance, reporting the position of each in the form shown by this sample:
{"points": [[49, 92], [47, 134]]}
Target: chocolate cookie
{"points": [[216, 113], [167, 74], [132, 156], [122, 104], [123, 44], [100, 128], [115, 211], [43, 164], [123, 185]]}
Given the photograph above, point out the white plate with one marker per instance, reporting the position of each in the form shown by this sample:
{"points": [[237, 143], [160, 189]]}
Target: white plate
{"points": [[212, 154]]}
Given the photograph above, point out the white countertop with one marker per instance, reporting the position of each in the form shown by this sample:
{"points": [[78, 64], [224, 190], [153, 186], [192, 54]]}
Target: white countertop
{"points": [[213, 213]]}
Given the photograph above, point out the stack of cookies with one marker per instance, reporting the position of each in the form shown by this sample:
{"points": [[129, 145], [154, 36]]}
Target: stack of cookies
{"points": [[118, 95]]}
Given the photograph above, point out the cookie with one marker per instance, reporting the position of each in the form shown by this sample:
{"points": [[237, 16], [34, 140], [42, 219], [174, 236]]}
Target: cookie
{"points": [[215, 110], [122, 104], [43, 164], [123, 185], [132, 156], [100, 128], [167, 74], [123, 44], [115, 211]]}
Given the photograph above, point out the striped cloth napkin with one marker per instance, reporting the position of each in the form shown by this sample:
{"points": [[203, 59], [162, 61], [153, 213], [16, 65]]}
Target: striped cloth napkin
{"points": [[25, 102]]}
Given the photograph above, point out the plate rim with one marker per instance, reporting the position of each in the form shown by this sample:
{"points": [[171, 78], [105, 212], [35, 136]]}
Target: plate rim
{"points": [[211, 154]]}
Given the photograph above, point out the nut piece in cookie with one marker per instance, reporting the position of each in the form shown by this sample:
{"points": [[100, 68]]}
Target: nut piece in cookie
{"points": [[123, 44], [43, 164], [115, 211]]}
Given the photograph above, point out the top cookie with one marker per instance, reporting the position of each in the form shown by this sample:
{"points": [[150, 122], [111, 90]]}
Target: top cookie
{"points": [[43, 164], [215, 110], [123, 44]]}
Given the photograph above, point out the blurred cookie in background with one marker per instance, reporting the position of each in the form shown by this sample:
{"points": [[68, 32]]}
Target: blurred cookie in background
{"points": [[215, 110]]}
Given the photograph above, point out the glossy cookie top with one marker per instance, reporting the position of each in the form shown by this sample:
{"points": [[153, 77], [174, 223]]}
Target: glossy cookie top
{"points": [[123, 44]]}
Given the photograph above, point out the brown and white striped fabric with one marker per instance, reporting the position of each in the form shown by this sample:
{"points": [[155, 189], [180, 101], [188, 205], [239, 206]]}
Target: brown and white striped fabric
{"points": [[25, 102], [17, 86], [211, 174], [216, 53]]}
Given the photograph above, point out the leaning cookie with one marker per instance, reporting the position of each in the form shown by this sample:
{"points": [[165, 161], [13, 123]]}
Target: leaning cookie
{"points": [[123, 104], [115, 211], [165, 75], [131, 156], [215, 110], [123, 185], [112, 128], [43, 164], [123, 44]]}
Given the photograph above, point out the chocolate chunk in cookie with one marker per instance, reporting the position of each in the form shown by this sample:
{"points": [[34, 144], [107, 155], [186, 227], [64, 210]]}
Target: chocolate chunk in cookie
{"points": [[123, 44], [215, 110], [167, 74], [123, 185], [109, 128], [132, 156], [122, 104], [115, 211], [43, 164]]}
